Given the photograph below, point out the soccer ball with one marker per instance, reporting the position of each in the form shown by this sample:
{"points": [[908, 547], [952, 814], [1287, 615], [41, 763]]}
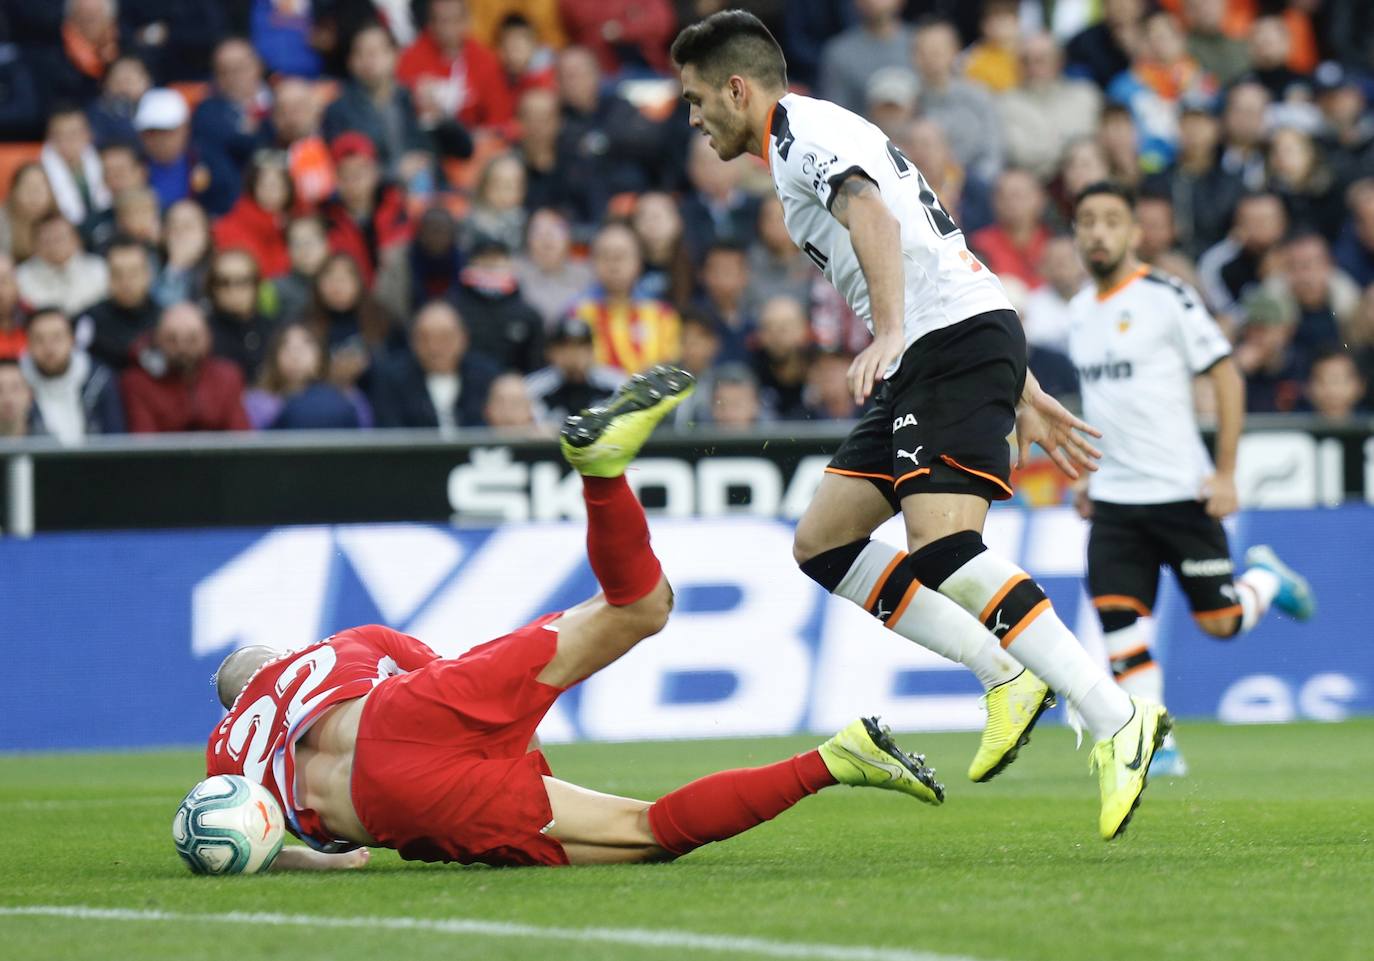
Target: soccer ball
{"points": [[228, 825]]}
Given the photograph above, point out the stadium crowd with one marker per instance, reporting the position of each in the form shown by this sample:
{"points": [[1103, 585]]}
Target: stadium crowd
{"points": [[267, 214]]}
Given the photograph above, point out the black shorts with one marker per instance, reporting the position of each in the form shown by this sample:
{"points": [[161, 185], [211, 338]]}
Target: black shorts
{"points": [[1129, 543], [940, 426]]}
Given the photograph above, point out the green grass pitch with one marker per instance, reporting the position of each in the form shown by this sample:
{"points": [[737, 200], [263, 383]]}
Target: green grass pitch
{"points": [[1264, 852]]}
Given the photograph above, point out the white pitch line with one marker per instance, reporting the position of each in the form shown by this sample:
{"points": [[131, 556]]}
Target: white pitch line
{"points": [[635, 937]]}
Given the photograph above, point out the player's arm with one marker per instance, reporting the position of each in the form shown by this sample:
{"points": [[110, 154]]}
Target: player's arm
{"points": [[1222, 499], [1040, 419], [299, 858], [876, 235]]}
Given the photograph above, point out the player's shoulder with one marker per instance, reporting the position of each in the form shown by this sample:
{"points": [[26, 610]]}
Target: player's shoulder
{"points": [[1167, 285], [816, 124]]}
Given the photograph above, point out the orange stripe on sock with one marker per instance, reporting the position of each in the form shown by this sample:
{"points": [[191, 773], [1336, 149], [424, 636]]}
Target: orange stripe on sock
{"points": [[902, 605], [855, 473], [1002, 593], [1142, 649], [1035, 612], [1135, 670], [882, 581], [1233, 611], [1121, 600], [977, 473]]}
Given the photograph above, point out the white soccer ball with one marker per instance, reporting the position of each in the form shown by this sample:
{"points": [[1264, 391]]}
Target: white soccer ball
{"points": [[228, 825]]}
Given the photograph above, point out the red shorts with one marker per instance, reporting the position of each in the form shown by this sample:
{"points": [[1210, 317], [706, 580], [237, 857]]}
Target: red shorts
{"points": [[441, 771]]}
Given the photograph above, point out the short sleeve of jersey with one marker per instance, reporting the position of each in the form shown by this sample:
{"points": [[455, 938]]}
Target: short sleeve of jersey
{"points": [[1202, 341], [818, 170]]}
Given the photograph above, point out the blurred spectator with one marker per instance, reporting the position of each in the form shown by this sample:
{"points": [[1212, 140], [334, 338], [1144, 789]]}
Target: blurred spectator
{"points": [[291, 393], [227, 127], [1359, 334], [1355, 246], [880, 39], [111, 115], [1204, 196], [605, 144], [968, 198], [137, 215], [724, 280], [71, 70], [296, 116], [18, 417], [1220, 54], [501, 324], [13, 337], [239, 331], [735, 402], [668, 270], [992, 61], [134, 202], [776, 266], [30, 200], [701, 341], [782, 359], [1270, 46], [573, 380], [965, 111], [60, 274], [508, 407], [890, 99], [1121, 142], [1046, 311], [1163, 72], [186, 254], [834, 325], [490, 17], [73, 394], [1013, 245], [629, 332], [439, 382], [161, 122], [1158, 233], [808, 25], [1304, 181], [1321, 298], [367, 217], [113, 329], [355, 328], [1273, 382], [175, 37], [623, 34], [528, 64], [498, 203], [1085, 162], [453, 76], [1047, 111], [1243, 128], [1104, 50], [1347, 134], [73, 167], [257, 222], [122, 166], [828, 396], [20, 101], [550, 278], [429, 268], [375, 105], [1230, 269], [540, 149], [1335, 387], [717, 210], [180, 386], [281, 31], [307, 247]]}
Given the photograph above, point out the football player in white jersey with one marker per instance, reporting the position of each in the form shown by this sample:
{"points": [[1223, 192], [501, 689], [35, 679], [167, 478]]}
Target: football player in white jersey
{"points": [[1138, 338], [948, 360]]}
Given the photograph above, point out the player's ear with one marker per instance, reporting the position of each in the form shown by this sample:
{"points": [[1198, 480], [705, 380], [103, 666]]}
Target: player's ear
{"points": [[738, 90]]}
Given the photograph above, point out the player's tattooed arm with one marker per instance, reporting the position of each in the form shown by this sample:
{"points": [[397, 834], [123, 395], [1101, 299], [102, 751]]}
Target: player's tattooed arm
{"points": [[854, 187]]}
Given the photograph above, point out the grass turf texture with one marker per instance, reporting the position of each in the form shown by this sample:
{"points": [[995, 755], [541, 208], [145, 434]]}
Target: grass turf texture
{"points": [[1264, 852]]}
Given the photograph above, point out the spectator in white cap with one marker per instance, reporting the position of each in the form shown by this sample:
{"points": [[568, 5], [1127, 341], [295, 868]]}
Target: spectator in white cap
{"points": [[162, 124], [890, 98]]}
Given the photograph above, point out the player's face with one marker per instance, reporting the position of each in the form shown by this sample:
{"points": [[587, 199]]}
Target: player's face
{"points": [[1106, 231], [717, 112]]}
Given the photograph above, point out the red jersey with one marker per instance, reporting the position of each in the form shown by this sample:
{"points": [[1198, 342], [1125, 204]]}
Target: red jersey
{"points": [[287, 695]]}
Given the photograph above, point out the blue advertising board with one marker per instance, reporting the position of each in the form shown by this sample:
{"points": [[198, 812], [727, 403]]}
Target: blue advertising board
{"points": [[111, 638]]}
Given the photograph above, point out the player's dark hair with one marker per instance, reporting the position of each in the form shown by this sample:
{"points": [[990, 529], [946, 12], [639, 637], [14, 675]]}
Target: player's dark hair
{"points": [[1106, 188], [731, 42]]}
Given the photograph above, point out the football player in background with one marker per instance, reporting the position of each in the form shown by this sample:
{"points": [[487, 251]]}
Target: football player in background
{"points": [[1138, 338], [369, 738], [949, 361]]}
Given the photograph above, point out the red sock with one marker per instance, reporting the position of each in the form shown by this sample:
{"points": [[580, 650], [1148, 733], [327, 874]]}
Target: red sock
{"points": [[722, 805], [618, 540]]}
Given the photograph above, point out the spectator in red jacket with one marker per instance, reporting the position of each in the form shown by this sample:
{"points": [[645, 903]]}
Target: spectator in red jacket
{"points": [[452, 75], [180, 387], [257, 222], [1014, 243], [367, 217], [622, 33]]}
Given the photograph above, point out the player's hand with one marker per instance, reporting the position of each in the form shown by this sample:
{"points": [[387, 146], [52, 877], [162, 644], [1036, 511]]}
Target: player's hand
{"points": [[871, 365], [1040, 419], [1222, 499]]}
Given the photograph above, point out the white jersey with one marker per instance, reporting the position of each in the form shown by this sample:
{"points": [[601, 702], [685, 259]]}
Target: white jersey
{"points": [[1137, 349], [811, 147]]}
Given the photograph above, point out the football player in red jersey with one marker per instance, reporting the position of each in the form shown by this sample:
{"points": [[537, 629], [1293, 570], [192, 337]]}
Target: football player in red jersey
{"points": [[370, 738]]}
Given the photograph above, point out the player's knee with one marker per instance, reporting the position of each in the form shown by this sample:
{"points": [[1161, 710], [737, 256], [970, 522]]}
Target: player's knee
{"points": [[650, 612], [1223, 628], [808, 542]]}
